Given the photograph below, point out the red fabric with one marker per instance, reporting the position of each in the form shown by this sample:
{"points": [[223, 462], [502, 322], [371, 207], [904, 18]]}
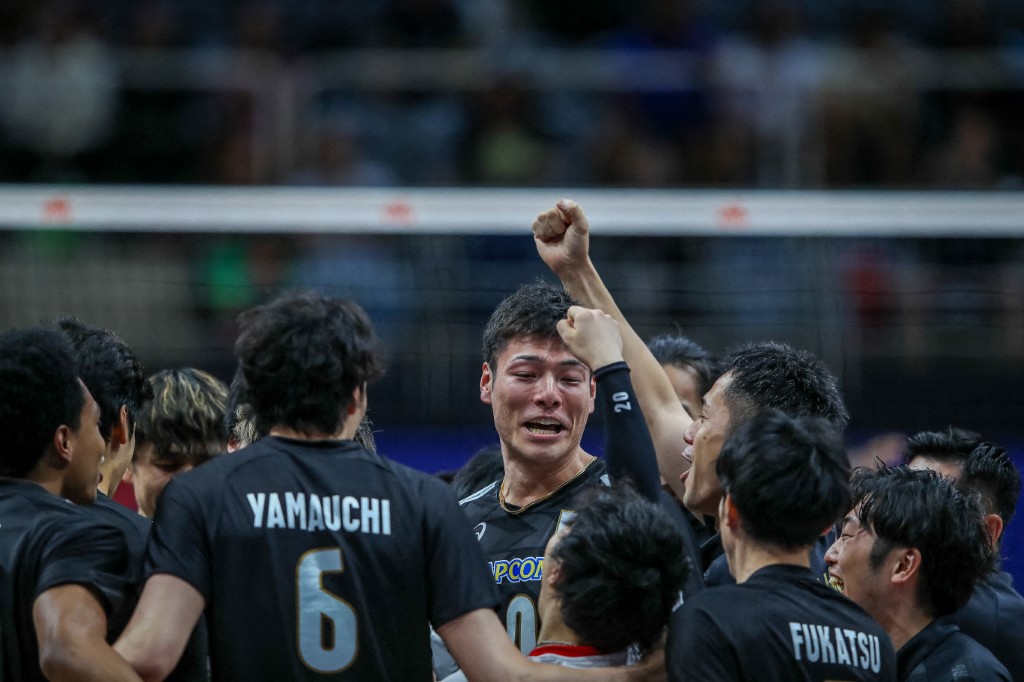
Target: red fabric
{"points": [[125, 494], [567, 650]]}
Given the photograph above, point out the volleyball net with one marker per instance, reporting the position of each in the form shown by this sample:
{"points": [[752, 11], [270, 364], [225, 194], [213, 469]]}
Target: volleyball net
{"points": [[915, 299]]}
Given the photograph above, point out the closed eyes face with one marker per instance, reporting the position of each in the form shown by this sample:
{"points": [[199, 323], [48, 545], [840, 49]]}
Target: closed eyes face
{"points": [[150, 474]]}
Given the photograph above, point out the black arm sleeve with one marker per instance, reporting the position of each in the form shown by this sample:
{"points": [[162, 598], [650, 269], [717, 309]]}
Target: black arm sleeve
{"points": [[629, 450]]}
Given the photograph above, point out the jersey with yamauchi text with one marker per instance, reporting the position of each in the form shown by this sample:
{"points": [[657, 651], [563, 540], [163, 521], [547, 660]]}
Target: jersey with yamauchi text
{"points": [[513, 545], [46, 542], [317, 559], [780, 624]]}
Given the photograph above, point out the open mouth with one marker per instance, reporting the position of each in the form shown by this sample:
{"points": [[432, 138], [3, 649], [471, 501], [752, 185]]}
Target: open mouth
{"points": [[835, 582], [544, 427], [688, 454]]}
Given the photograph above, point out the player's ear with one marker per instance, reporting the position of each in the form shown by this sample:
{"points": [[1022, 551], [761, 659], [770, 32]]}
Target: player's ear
{"points": [[358, 401], [593, 392], [552, 572], [728, 513], [63, 447], [486, 382], [908, 564], [119, 433], [994, 526]]}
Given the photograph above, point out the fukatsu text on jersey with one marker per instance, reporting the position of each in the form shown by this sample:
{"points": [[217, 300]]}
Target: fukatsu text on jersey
{"points": [[842, 646], [310, 512]]}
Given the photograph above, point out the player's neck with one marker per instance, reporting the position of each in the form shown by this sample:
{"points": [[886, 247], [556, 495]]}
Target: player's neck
{"points": [[902, 619], [527, 482], [45, 477], [283, 431], [108, 484], [746, 558], [555, 631]]}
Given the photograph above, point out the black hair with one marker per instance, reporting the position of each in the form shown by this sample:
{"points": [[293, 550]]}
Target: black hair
{"points": [[788, 477], [239, 418], [184, 421], [110, 370], [984, 467], [989, 471], [301, 357], [533, 310], [917, 508], [772, 374], [240, 421], [952, 445], [622, 566], [485, 466], [680, 351], [39, 392], [364, 434]]}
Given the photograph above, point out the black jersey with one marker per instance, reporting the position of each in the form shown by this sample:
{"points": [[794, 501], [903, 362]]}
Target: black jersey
{"points": [[941, 653], [45, 542], [135, 530], [781, 624], [513, 544], [319, 558], [994, 618], [194, 663]]}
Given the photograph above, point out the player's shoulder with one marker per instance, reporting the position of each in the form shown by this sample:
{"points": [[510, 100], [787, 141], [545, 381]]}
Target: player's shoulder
{"points": [[115, 513], [418, 482], [134, 527], [26, 504], [481, 497], [42, 525]]}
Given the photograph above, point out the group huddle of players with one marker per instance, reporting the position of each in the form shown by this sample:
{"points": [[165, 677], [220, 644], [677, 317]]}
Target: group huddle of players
{"points": [[723, 535]]}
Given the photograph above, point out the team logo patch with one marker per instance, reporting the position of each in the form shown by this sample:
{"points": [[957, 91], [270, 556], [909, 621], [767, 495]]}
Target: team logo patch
{"points": [[518, 570]]}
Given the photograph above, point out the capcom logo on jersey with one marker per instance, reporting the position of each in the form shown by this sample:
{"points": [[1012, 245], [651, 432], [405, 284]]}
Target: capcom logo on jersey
{"points": [[518, 570]]}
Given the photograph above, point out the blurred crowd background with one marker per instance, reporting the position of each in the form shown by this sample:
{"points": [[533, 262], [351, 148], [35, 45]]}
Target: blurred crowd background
{"points": [[652, 93], [768, 94]]}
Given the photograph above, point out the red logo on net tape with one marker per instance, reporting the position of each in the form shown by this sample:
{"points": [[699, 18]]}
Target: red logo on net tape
{"points": [[57, 210], [399, 213], [733, 216]]}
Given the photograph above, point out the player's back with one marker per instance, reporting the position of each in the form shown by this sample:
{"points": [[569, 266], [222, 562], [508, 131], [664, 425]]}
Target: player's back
{"points": [[319, 558], [45, 542], [994, 617], [781, 624]]}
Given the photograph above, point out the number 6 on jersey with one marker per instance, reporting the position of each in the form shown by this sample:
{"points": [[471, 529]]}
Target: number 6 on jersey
{"points": [[327, 623]]}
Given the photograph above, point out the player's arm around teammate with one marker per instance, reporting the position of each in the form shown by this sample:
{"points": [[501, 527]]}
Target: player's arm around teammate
{"points": [[562, 237], [481, 646], [169, 608], [71, 627], [163, 621]]}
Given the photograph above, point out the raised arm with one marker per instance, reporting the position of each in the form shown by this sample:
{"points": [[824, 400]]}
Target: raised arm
{"points": [[593, 337], [562, 237]]}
